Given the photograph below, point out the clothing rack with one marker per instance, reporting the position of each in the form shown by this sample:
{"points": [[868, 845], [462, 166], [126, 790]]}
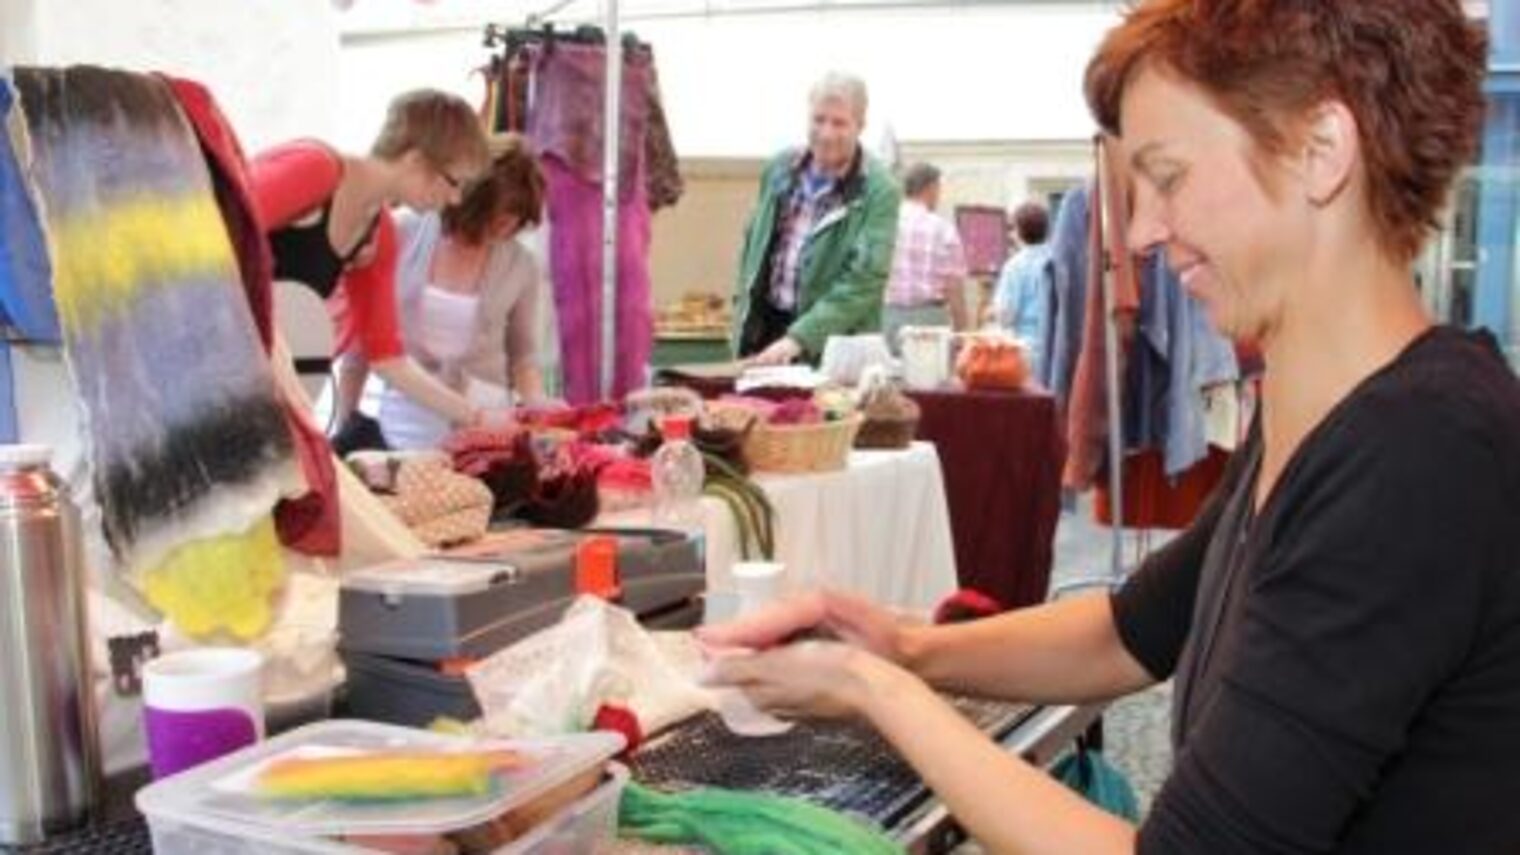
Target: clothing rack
{"points": [[511, 37], [1111, 371], [1116, 573], [608, 35]]}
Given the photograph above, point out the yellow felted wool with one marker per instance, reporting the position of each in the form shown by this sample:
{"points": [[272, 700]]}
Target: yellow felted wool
{"points": [[385, 775], [219, 583]]}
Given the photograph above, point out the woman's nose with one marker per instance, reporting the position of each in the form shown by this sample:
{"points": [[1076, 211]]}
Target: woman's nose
{"points": [[1147, 226]]}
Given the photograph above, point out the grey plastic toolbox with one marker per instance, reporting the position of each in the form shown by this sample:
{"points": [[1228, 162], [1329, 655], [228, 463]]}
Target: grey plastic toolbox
{"points": [[444, 607]]}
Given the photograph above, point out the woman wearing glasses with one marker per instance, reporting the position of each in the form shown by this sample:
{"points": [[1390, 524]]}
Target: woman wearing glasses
{"points": [[470, 296], [330, 228]]}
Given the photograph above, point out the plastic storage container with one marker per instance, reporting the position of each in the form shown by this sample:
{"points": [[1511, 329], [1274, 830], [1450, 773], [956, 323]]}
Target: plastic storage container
{"points": [[205, 812]]}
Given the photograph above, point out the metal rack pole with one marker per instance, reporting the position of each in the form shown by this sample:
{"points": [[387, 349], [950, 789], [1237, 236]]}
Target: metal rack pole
{"points": [[1113, 399], [1111, 371], [612, 133]]}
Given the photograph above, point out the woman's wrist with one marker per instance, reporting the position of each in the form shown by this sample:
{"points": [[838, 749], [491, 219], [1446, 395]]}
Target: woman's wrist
{"points": [[877, 682], [910, 649]]}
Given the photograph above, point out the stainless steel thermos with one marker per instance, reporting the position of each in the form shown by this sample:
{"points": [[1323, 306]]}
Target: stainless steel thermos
{"points": [[49, 746]]}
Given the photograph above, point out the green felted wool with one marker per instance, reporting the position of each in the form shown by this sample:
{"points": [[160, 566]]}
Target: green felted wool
{"points": [[737, 823]]}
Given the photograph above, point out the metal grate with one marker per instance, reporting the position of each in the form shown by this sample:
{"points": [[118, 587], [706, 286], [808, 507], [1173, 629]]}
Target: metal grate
{"points": [[846, 766], [123, 837]]}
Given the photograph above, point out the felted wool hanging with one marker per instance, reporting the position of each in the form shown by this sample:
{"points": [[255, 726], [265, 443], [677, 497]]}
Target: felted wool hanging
{"points": [[187, 443]]}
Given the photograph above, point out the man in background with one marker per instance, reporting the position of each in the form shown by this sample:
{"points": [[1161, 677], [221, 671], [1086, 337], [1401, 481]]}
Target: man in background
{"points": [[1023, 297], [818, 246], [927, 287]]}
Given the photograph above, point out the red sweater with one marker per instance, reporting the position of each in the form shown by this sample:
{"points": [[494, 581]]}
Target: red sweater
{"points": [[291, 181]]}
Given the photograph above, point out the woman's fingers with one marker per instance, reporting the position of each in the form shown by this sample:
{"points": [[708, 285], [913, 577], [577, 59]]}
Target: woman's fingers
{"points": [[767, 627]]}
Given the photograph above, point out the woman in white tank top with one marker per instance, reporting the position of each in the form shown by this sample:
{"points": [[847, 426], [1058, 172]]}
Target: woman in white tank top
{"points": [[469, 295]]}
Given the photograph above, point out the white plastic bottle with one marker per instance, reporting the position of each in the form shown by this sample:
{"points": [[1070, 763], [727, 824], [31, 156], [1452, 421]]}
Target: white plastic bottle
{"points": [[677, 472]]}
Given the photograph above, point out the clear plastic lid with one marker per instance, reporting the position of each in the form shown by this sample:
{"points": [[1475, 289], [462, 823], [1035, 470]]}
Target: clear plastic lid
{"points": [[431, 575], [223, 789]]}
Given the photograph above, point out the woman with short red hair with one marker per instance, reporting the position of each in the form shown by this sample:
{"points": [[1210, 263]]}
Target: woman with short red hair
{"points": [[1343, 618]]}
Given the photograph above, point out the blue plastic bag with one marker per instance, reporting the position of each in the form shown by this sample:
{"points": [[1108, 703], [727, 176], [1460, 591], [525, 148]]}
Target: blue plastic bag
{"points": [[1091, 776]]}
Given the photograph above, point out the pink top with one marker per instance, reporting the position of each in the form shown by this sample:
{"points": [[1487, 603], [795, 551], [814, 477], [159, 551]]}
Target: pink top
{"points": [[929, 257]]}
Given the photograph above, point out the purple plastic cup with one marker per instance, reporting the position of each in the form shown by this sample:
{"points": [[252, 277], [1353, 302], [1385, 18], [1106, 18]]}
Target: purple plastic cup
{"points": [[199, 705]]}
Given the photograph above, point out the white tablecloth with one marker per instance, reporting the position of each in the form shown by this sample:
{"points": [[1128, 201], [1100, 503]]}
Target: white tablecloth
{"points": [[879, 527]]}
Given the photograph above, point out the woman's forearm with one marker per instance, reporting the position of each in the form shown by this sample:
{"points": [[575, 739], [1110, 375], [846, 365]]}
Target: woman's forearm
{"points": [[408, 378], [352, 372], [527, 382], [1003, 802], [1062, 652]]}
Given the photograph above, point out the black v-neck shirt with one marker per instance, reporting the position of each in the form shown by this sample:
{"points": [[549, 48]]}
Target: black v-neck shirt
{"points": [[1348, 656]]}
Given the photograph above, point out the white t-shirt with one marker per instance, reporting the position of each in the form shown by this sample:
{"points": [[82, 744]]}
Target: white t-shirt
{"points": [[469, 342], [445, 324]]}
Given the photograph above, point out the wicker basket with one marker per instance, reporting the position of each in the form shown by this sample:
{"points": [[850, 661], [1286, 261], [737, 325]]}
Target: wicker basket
{"points": [[818, 447], [887, 433], [735, 417]]}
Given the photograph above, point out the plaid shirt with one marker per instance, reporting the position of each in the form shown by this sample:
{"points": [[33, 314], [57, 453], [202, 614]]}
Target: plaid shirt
{"points": [[929, 257], [813, 196]]}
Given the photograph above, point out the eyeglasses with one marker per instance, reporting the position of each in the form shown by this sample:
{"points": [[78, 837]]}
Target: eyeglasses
{"points": [[449, 179]]}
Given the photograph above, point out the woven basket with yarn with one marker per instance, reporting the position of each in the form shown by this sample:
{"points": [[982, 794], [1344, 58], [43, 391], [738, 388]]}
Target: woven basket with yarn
{"points": [[891, 417], [730, 416], [888, 434], [817, 447]]}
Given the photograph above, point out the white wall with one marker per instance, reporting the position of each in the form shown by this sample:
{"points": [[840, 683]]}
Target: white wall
{"points": [[371, 72], [270, 63], [736, 86], [1002, 173], [16, 31]]}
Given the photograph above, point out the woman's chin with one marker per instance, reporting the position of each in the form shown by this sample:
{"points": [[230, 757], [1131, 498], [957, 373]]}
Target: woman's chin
{"points": [[1226, 324]]}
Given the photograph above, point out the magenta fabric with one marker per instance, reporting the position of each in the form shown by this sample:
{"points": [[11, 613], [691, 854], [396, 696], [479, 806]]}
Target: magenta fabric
{"points": [[575, 265], [567, 118]]}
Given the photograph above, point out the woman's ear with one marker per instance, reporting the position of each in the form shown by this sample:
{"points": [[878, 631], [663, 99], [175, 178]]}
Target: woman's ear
{"points": [[414, 158], [1331, 147]]}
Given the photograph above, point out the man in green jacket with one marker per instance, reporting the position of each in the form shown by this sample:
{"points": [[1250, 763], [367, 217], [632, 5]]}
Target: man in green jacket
{"points": [[818, 247]]}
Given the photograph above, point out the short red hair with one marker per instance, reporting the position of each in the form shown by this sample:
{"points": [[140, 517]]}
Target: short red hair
{"points": [[1411, 72]]}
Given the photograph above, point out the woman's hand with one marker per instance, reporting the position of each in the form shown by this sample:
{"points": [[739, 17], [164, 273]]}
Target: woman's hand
{"points": [[811, 679], [851, 619], [492, 418], [781, 352]]}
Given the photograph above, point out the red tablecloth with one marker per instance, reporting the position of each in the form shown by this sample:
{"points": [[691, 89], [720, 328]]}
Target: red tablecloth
{"points": [[1002, 454]]}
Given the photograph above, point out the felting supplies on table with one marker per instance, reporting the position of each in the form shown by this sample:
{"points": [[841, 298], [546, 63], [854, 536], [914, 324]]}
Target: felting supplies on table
{"points": [[386, 775]]}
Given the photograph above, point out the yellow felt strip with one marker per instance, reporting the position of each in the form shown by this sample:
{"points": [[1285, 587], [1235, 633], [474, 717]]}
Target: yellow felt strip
{"points": [[107, 256], [219, 583], [379, 776]]}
